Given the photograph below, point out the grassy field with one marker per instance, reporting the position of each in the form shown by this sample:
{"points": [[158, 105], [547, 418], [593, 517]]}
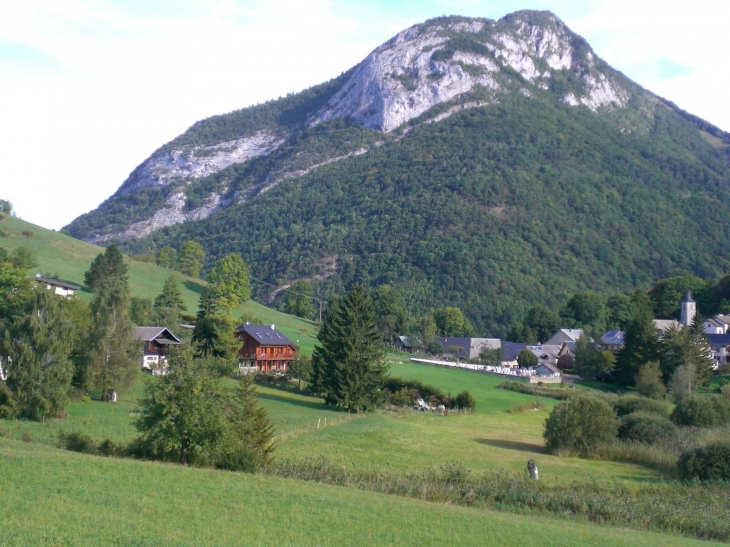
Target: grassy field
{"points": [[491, 438], [70, 258], [75, 499]]}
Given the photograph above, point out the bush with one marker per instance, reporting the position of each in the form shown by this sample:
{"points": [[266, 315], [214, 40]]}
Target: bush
{"points": [[529, 406], [77, 442], [702, 411], [464, 401], [235, 457], [27, 233], [646, 428], [628, 404], [401, 389], [709, 463], [580, 423]]}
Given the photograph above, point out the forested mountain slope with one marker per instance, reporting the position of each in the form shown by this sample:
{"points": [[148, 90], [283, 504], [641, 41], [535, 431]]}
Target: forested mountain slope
{"points": [[488, 165]]}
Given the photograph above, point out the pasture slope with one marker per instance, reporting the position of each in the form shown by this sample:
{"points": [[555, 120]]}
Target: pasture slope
{"points": [[70, 258], [52, 497]]}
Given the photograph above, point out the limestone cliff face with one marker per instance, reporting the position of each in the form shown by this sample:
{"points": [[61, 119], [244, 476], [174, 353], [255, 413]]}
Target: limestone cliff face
{"points": [[429, 64], [436, 62]]}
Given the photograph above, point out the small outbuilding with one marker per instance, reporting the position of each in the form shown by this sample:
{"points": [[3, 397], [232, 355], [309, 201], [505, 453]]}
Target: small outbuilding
{"points": [[61, 288]]}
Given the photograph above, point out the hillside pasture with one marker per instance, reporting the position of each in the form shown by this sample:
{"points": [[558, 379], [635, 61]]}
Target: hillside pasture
{"points": [[82, 500], [70, 258]]}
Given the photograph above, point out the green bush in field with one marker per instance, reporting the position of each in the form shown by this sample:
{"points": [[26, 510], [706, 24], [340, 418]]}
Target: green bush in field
{"points": [[709, 463], [646, 428], [628, 404], [580, 423], [464, 401], [702, 411]]}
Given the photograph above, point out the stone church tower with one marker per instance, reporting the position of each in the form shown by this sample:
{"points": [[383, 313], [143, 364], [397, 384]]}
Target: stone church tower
{"points": [[689, 310]]}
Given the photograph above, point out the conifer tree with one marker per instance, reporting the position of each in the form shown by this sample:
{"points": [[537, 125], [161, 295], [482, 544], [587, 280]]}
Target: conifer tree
{"points": [[349, 367], [169, 304], [253, 433], [214, 334], [641, 346], [171, 296], [35, 349], [107, 265]]}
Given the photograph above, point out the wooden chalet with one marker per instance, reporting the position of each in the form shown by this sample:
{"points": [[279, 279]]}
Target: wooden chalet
{"points": [[157, 343], [265, 348]]}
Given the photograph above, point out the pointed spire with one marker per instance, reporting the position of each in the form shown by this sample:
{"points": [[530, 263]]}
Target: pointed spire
{"points": [[688, 298]]}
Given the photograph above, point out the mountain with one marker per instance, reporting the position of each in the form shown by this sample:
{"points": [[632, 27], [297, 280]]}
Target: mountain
{"points": [[486, 164]]}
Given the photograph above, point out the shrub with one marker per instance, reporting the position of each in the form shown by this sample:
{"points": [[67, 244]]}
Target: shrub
{"points": [[77, 442], [709, 463], [628, 404], [400, 389], [529, 406], [4, 233], [646, 428], [702, 411], [464, 401], [580, 423], [27, 233], [111, 449]]}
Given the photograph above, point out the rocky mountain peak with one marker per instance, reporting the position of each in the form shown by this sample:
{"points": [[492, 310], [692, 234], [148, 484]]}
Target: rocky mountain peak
{"points": [[444, 58]]}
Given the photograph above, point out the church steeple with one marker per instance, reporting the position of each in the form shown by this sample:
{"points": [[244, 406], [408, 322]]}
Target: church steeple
{"points": [[689, 310]]}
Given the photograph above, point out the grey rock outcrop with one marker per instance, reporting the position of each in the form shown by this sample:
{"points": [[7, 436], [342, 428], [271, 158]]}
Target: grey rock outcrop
{"points": [[439, 61]]}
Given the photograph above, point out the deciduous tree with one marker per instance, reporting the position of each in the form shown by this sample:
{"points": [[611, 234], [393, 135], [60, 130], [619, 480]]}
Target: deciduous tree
{"points": [[190, 259], [230, 277], [299, 299], [183, 411]]}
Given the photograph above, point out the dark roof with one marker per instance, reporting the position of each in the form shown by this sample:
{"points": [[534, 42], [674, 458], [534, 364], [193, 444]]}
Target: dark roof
{"points": [[56, 283], [512, 349], [552, 368], [718, 340], [613, 337], [265, 334], [447, 342], [410, 341], [148, 334], [688, 298]]}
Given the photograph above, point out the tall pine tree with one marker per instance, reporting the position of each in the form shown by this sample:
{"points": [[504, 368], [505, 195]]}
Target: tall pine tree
{"points": [[107, 265], [36, 346], [349, 370]]}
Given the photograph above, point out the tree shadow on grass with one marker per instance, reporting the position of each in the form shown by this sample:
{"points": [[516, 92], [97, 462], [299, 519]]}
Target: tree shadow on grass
{"points": [[192, 286], [298, 402], [512, 445]]}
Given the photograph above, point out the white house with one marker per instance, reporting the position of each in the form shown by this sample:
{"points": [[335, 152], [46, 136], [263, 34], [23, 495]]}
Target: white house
{"points": [[720, 346], [718, 324], [61, 288]]}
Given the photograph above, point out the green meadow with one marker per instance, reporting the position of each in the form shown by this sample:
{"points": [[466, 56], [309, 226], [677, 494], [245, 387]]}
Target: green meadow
{"points": [[70, 258], [78, 499], [53, 497]]}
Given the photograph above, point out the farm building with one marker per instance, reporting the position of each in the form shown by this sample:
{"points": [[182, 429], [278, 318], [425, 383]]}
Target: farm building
{"points": [[61, 288], [265, 348], [157, 343]]}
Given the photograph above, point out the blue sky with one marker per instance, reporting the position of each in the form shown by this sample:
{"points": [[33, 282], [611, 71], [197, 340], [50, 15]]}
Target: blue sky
{"points": [[89, 89]]}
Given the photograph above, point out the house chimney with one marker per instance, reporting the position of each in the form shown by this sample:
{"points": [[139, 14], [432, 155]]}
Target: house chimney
{"points": [[273, 327]]}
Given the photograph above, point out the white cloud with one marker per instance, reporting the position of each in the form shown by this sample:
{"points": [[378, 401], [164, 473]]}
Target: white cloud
{"points": [[91, 88]]}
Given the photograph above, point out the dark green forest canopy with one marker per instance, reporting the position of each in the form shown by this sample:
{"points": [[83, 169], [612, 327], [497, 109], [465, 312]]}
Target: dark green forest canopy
{"points": [[493, 210]]}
